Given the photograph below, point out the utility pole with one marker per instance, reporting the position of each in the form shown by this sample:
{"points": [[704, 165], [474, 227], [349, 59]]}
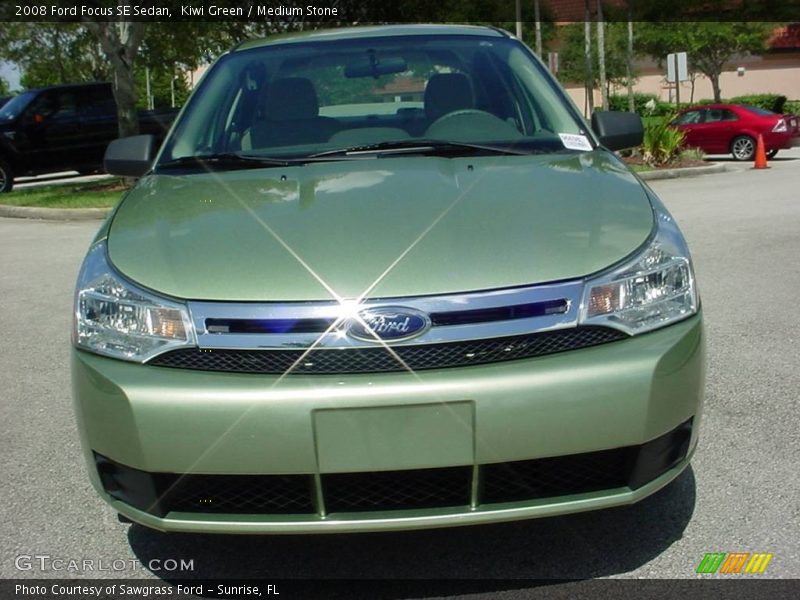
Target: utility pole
{"points": [[601, 53], [147, 84], [519, 19], [587, 50], [629, 65], [536, 16]]}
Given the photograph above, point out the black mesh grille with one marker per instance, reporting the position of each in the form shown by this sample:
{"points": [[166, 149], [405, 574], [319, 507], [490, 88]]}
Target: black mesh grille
{"points": [[397, 490], [558, 476], [246, 494], [378, 359]]}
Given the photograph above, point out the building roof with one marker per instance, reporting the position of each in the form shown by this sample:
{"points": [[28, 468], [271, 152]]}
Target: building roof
{"points": [[785, 38], [401, 85]]}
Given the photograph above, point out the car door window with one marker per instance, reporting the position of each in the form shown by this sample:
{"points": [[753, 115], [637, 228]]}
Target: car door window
{"points": [[98, 104], [690, 118], [44, 106], [729, 115], [66, 106], [714, 115]]}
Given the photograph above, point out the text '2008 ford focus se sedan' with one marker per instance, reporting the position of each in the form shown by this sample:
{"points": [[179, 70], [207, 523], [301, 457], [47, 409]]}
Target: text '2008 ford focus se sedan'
{"points": [[384, 278]]}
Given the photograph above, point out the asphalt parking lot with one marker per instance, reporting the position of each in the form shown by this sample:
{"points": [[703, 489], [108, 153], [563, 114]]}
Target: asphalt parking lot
{"points": [[742, 492]]}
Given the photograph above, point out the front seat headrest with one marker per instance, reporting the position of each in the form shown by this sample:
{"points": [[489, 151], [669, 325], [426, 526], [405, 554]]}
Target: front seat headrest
{"points": [[291, 98]]}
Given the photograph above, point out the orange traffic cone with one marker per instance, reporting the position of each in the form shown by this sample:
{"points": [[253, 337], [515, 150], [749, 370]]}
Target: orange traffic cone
{"points": [[761, 154]]}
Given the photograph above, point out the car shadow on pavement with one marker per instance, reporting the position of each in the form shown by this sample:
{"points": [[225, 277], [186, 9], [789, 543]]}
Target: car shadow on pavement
{"points": [[579, 546]]}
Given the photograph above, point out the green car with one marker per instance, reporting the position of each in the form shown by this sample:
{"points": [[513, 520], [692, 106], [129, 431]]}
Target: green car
{"points": [[384, 278]]}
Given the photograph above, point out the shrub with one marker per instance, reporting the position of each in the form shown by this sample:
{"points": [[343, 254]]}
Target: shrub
{"points": [[664, 109], [662, 144], [693, 154], [773, 102], [640, 104], [620, 102], [792, 107]]}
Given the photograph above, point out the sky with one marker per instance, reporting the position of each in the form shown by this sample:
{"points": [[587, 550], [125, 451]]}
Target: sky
{"points": [[10, 74]]}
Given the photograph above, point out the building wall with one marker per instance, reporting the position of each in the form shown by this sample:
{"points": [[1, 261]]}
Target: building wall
{"points": [[768, 74]]}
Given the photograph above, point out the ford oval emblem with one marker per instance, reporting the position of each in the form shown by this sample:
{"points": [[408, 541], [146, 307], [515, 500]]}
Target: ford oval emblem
{"points": [[389, 323]]}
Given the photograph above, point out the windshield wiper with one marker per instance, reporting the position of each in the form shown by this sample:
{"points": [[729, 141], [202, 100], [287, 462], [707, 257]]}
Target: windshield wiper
{"points": [[416, 146], [227, 160]]}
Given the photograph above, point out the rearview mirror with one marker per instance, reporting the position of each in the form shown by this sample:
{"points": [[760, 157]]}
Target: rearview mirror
{"points": [[130, 156], [618, 130], [374, 66]]}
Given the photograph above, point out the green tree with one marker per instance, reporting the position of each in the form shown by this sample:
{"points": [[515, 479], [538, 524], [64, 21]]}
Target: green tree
{"points": [[4, 91], [52, 53], [170, 51], [710, 45], [572, 66]]}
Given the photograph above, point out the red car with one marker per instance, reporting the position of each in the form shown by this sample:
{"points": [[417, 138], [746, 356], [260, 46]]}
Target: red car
{"points": [[794, 127], [734, 128]]}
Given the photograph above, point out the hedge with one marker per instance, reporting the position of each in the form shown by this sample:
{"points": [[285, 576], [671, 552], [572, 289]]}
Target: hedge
{"points": [[640, 100], [774, 102], [792, 107]]}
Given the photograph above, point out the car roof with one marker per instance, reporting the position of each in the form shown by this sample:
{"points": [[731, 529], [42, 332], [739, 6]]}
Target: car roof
{"points": [[68, 85], [350, 33], [705, 106]]}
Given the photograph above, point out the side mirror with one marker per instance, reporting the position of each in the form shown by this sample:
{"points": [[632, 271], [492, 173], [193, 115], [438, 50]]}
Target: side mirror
{"points": [[130, 156], [618, 130]]}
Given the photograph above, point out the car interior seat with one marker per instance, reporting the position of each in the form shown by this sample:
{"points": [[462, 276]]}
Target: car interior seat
{"points": [[291, 116], [447, 92]]}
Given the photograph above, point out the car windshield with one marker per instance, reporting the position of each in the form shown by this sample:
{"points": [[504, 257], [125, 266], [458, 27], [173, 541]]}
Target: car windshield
{"points": [[13, 108], [364, 96]]}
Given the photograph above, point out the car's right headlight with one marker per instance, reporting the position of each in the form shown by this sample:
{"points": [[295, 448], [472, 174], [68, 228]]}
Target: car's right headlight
{"points": [[115, 318], [654, 289]]}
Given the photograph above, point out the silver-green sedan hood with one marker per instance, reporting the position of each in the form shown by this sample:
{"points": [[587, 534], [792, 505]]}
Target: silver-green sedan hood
{"points": [[386, 227]]}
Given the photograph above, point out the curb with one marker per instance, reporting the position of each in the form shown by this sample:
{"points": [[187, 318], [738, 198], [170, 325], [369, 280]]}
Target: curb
{"points": [[685, 172], [53, 214]]}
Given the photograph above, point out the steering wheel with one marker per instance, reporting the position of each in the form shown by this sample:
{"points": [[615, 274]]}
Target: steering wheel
{"points": [[463, 112], [471, 124]]}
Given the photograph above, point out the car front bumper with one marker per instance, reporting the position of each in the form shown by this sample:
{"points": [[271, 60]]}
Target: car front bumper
{"points": [[181, 450]]}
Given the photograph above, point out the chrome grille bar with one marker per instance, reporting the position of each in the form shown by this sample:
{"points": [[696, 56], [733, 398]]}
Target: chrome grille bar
{"points": [[560, 301]]}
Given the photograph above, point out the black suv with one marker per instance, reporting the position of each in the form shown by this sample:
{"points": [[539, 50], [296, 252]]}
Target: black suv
{"points": [[63, 128]]}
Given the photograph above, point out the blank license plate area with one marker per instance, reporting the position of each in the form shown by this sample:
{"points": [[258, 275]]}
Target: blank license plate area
{"points": [[393, 438]]}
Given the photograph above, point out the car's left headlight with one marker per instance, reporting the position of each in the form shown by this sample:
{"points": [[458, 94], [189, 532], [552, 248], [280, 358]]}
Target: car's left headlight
{"points": [[653, 289], [115, 318]]}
